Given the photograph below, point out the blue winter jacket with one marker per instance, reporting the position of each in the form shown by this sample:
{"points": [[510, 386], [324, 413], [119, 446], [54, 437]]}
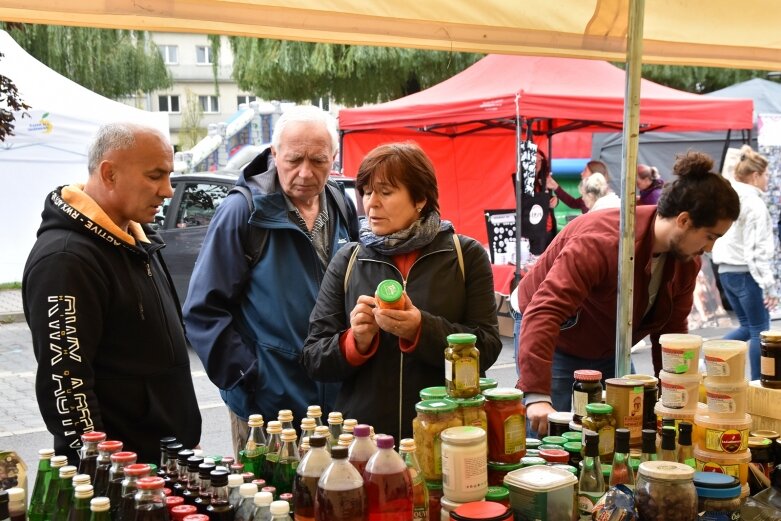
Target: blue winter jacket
{"points": [[248, 324]]}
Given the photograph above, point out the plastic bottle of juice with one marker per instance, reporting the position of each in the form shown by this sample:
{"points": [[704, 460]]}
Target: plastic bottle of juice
{"points": [[388, 484]]}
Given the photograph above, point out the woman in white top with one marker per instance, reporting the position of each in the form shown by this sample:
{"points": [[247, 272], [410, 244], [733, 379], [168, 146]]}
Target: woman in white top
{"points": [[597, 194], [744, 256]]}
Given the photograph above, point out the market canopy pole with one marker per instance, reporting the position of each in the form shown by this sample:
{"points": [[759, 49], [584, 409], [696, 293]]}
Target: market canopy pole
{"points": [[626, 248]]}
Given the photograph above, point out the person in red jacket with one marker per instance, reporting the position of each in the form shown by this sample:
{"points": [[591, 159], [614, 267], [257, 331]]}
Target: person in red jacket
{"points": [[568, 298]]}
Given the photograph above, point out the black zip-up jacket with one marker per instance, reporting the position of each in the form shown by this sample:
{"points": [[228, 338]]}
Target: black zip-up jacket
{"points": [[383, 391], [107, 332]]}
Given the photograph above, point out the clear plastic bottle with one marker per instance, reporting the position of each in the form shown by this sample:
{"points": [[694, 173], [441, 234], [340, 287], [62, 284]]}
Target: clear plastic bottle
{"points": [[53, 490], [362, 447], [17, 504], [621, 472], [649, 446], [220, 508], [273, 444], [420, 506], [246, 504], [80, 511], [340, 495], [591, 486], [307, 475], [685, 449], [388, 484], [254, 455], [88, 453], [280, 511], [287, 462], [307, 429], [119, 460], [150, 500], [42, 480], [314, 412], [126, 508], [323, 430], [65, 494], [335, 422], [285, 417], [235, 481], [262, 502], [99, 509]]}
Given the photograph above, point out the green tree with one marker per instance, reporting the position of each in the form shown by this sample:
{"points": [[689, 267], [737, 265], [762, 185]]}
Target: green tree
{"points": [[191, 131], [698, 79], [111, 62], [349, 74], [10, 102]]}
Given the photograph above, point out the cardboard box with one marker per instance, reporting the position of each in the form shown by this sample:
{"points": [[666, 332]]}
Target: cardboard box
{"points": [[506, 321], [763, 405]]}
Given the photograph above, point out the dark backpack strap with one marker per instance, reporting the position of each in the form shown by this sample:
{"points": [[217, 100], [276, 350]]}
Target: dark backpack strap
{"points": [[253, 238], [347, 210]]}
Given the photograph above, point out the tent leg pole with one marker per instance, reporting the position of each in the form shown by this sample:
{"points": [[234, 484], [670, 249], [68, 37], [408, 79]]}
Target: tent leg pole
{"points": [[626, 249]]}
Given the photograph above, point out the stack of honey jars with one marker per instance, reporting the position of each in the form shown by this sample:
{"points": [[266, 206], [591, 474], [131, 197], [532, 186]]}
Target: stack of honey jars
{"points": [[721, 431]]}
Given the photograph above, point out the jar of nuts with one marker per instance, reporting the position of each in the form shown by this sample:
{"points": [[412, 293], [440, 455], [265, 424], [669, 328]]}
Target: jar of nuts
{"points": [[665, 491]]}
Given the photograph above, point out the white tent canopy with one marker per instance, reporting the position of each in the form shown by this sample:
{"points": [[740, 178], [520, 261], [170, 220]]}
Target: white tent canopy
{"points": [[49, 147]]}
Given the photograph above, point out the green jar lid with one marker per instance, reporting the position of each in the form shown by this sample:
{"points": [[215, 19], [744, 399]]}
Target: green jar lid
{"points": [[606, 468], [573, 446], [461, 338], [554, 440], [389, 291], [568, 468], [533, 443], [434, 485], [504, 467], [548, 446], [503, 393], [599, 408], [530, 461], [475, 401], [217, 459], [152, 469], [433, 393], [572, 436], [497, 493], [532, 452], [436, 406], [488, 383]]}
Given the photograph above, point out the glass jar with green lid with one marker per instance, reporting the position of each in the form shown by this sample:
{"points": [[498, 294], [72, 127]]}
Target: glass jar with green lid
{"points": [[433, 393], [389, 295], [554, 440], [488, 383], [497, 471], [575, 450], [599, 418], [530, 461], [568, 468], [433, 417], [471, 411], [572, 436], [462, 366], [498, 494], [532, 452], [533, 443]]}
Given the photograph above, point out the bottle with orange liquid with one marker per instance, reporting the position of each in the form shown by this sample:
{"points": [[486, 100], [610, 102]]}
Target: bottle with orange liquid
{"points": [[388, 484]]}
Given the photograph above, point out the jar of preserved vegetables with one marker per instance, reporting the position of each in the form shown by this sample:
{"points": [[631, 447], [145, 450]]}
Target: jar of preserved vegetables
{"points": [[586, 389], [506, 417], [389, 295], [471, 411], [718, 496], [665, 491], [770, 371], [599, 418], [497, 471], [433, 393], [433, 417], [462, 366]]}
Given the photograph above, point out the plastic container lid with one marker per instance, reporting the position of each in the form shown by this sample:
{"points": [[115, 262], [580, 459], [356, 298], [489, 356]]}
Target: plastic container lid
{"points": [[539, 478], [625, 381], [719, 385], [666, 470], [554, 440], [235, 480], [534, 452], [568, 468], [503, 393], [280, 508], [649, 382], [680, 340], [765, 433], [532, 443], [466, 435], [497, 493], [433, 393], [573, 446], [575, 427], [389, 290], [599, 408], [461, 338], [488, 383], [709, 421], [477, 400], [17, 493], [384, 441], [263, 499], [490, 511], [554, 454], [678, 414], [716, 485], [722, 458], [530, 461], [547, 446], [434, 407], [588, 375], [560, 417], [572, 436]]}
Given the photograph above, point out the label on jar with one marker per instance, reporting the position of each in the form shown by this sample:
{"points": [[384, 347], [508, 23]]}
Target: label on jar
{"points": [[720, 403], [677, 361], [514, 434], [716, 366], [437, 455], [579, 402], [448, 370], [607, 437], [710, 466], [719, 515], [768, 366], [466, 374], [674, 396], [464, 472], [730, 440], [587, 500]]}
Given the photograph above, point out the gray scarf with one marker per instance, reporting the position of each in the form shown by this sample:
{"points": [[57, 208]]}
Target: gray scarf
{"points": [[418, 235]]}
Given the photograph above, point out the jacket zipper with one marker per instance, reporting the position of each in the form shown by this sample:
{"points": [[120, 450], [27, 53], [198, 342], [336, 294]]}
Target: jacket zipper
{"points": [[148, 265]]}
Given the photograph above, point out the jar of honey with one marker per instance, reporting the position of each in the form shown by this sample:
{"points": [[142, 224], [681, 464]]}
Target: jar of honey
{"points": [[770, 361]]}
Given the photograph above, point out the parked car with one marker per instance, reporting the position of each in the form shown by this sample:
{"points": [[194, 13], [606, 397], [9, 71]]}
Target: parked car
{"points": [[184, 218]]}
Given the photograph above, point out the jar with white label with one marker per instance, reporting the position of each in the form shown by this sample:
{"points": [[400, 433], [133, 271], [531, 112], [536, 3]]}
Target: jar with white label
{"points": [[464, 464]]}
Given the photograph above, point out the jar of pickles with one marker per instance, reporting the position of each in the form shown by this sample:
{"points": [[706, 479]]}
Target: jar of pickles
{"points": [[506, 416], [462, 366], [599, 418], [471, 411], [433, 417]]}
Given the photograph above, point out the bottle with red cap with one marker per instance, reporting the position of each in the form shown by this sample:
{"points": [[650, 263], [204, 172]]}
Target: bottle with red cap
{"points": [[196, 517], [172, 502], [119, 460], [388, 484], [220, 508], [103, 466], [193, 480], [150, 500], [362, 447], [179, 512], [88, 453], [125, 511]]}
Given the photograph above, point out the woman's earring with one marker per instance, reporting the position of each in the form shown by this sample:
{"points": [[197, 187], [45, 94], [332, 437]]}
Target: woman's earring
{"points": [[420, 210]]}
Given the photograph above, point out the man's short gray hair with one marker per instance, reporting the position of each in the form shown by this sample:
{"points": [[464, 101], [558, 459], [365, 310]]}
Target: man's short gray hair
{"points": [[306, 114], [112, 136]]}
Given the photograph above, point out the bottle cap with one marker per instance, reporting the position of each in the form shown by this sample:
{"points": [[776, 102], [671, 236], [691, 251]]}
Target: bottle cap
{"points": [[461, 338], [235, 480], [227, 461], [255, 420], [314, 411], [335, 417], [81, 479], [166, 440], [196, 517], [274, 427], [668, 439], [308, 424], [649, 440], [59, 461], [67, 472], [204, 470], [389, 291], [15, 494], [286, 496], [684, 433], [124, 457], [260, 482], [341, 452], [182, 456], [263, 499], [46, 453], [384, 441], [181, 511], [345, 439], [289, 435], [173, 501], [599, 408], [248, 490], [249, 477], [150, 483], [316, 441], [172, 449], [407, 445], [361, 431], [192, 463], [280, 508], [285, 415], [219, 478], [322, 430], [110, 446], [349, 425], [622, 440], [99, 504], [588, 375], [93, 437], [269, 488], [237, 468], [592, 444]]}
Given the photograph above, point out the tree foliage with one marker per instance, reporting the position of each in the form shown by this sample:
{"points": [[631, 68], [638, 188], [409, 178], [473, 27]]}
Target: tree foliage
{"points": [[111, 62], [348, 74], [698, 79], [10, 102]]}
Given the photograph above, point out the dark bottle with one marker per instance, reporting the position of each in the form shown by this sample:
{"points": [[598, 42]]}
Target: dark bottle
{"points": [[4, 513], [254, 455], [205, 487], [65, 494], [227, 461], [668, 445], [42, 480], [116, 474], [388, 484], [685, 451], [591, 485], [164, 443], [88, 453], [249, 477], [127, 505], [82, 495], [220, 508], [103, 466], [49, 509], [172, 464], [340, 494], [649, 446], [150, 500], [307, 475], [287, 462], [273, 444], [181, 470], [193, 480], [99, 509], [17, 506]]}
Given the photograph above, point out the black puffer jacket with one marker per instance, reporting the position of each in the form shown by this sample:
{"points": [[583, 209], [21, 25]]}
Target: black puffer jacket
{"points": [[107, 332], [383, 391]]}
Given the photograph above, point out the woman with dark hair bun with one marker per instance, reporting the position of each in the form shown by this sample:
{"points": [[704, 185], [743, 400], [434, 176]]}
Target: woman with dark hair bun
{"points": [[745, 255]]}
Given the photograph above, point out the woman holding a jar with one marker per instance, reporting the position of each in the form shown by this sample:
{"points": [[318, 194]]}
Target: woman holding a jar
{"points": [[383, 357]]}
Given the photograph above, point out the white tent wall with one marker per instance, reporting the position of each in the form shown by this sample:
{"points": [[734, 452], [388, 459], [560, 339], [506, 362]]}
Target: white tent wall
{"points": [[48, 148]]}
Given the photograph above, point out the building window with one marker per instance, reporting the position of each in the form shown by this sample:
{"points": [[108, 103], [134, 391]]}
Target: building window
{"points": [[168, 103], [244, 98], [203, 54], [209, 104], [170, 54]]}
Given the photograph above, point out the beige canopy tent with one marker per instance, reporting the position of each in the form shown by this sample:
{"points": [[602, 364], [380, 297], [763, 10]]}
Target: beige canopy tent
{"points": [[721, 33]]}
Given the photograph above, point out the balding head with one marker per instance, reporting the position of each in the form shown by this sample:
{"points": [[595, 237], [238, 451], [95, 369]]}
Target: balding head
{"points": [[115, 136]]}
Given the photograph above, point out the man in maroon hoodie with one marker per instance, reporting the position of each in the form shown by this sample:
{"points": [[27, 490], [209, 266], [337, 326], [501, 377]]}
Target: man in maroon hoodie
{"points": [[568, 299]]}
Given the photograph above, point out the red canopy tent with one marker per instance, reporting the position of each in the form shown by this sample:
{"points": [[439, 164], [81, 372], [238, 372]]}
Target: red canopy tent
{"points": [[469, 124]]}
